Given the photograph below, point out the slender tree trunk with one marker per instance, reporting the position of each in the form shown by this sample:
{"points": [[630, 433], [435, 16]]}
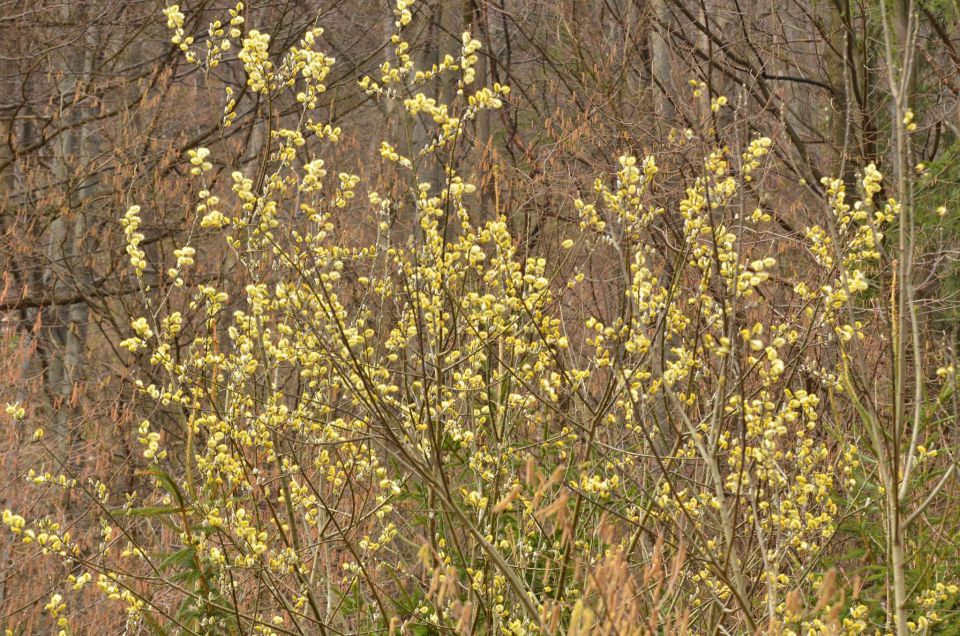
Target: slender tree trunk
{"points": [[661, 67]]}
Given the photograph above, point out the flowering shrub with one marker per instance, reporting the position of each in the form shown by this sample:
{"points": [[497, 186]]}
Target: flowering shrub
{"points": [[418, 432]]}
